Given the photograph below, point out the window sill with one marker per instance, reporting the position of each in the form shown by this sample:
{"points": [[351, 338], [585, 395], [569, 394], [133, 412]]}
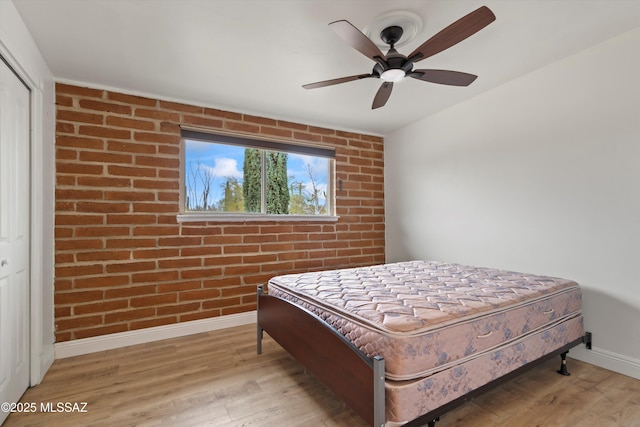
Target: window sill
{"points": [[221, 217]]}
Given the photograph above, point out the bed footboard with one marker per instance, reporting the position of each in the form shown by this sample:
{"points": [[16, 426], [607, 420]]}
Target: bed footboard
{"points": [[326, 354], [352, 376]]}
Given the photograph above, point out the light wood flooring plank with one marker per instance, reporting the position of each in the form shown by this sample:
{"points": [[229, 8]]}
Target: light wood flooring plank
{"points": [[217, 379]]}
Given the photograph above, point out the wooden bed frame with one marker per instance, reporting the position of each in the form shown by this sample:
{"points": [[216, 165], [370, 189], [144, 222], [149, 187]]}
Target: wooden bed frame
{"points": [[355, 378]]}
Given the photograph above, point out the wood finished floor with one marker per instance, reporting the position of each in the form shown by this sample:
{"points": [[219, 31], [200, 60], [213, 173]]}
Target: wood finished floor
{"points": [[217, 379]]}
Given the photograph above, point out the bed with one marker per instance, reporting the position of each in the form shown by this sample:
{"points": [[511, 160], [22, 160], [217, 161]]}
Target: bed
{"points": [[403, 343]]}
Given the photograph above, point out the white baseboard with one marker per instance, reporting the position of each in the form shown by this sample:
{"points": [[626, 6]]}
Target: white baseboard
{"points": [[606, 359], [141, 336]]}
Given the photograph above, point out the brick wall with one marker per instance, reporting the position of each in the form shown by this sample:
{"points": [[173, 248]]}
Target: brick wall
{"points": [[123, 262]]}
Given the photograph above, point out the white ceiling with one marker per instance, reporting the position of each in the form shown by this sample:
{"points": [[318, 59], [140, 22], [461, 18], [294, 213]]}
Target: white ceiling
{"points": [[253, 56]]}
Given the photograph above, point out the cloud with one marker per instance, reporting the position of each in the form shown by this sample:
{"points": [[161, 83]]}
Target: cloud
{"points": [[225, 167]]}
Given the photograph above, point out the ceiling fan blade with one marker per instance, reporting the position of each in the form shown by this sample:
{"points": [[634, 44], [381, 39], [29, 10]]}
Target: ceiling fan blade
{"points": [[464, 27], [336, 81], [382, 95], [444, 77], [356, 39]]}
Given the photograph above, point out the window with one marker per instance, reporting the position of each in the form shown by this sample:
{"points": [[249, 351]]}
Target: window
{"points": [[226, 176]]}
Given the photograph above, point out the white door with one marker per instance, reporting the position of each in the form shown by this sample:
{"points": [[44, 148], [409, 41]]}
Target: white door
{"points": [[14, 237]]}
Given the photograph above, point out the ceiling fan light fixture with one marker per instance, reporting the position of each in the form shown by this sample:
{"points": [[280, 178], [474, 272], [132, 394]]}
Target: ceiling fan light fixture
{"points": [[393, 75]]}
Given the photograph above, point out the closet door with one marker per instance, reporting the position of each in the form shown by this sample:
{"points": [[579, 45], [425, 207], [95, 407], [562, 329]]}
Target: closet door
{"points": [[14, 237]]}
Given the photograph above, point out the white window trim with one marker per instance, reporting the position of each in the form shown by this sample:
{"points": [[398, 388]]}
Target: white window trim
{"points": [[239, 217]]}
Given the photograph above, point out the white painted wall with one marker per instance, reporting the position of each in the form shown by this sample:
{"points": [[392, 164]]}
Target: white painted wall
{"points": [[20, 51], [540, 175]]}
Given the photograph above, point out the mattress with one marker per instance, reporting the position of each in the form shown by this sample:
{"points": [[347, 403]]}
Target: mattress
{"points": [[425, 317], [407, 400]]}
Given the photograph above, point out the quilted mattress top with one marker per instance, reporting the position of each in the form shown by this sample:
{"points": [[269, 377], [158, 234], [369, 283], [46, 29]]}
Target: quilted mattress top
{"points": [[409, 298]]}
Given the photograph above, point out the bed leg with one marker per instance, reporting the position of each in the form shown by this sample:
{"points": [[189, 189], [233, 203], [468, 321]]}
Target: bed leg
{"points": [[379, 413], [563, 367], [259, 329]]}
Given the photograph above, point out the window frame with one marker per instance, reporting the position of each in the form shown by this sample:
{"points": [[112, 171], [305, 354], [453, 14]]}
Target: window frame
{"points": [[265, 144]]}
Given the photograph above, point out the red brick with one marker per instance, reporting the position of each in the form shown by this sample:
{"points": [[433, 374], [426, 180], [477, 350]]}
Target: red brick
{"points": [[77, 90], [158, 230], [128, 291], [242, 127], [284, 133], [153, 300], [155, 276], [90, 181], [78, 244], [121, 316], [77, 297], [178, 286], [202, 294], [104, 132], [305, 136], [221, 282], [76, 116], [69, 194], [202, 121], [200, 273], [95, 156], [221, 113], [78, 270], [157, 115], [259, 120], [131, 147], [229, 309], [64, 101], [181, 107], [102, 255], [123, 267], [102, 207], [221, 302], [178, 308], [62, 154], [78, 322], [130, 243], [179, 263], [156, 137], [155, 253], [101, 231], [160, 162], [131, 171], [91, 104], [129, 196], [199, 251], [79, 168], [156, 184], [99, 307], [124, 122], [131, 99]]}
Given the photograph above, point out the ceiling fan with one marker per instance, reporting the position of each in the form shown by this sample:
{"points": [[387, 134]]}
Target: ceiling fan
{"points": [[394, 66]]}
